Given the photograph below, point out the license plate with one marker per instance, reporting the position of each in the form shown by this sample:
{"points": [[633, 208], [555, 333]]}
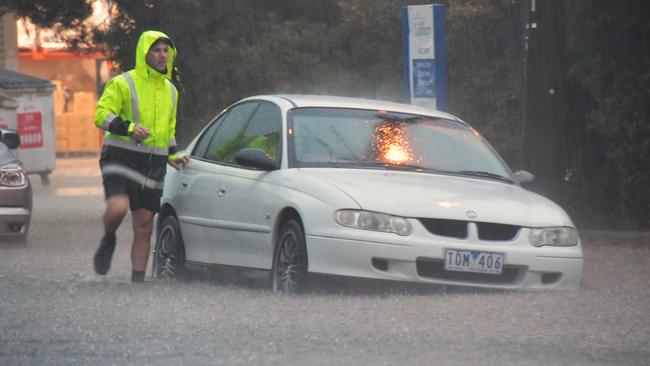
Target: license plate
{"points": [[474, 261]]}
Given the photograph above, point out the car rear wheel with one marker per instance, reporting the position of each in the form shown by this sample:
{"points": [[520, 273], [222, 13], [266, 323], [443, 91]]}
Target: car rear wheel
{"points": [[169, 252], [289, 273]]}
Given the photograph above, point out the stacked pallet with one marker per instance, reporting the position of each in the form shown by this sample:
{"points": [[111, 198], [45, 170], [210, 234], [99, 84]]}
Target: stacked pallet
{"points": [[76, 132], [75, 128]]}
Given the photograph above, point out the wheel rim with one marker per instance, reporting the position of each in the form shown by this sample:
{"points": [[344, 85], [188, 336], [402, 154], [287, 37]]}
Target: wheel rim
{"points": [[287, 273], [166, 256]]}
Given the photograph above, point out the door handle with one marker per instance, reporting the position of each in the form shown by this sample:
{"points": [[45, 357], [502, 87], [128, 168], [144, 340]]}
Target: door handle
{"points": [[221, 191]]}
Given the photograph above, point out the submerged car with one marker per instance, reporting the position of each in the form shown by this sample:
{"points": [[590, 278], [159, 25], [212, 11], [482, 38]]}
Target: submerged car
{"points": [[298, 185], [15, 191]]}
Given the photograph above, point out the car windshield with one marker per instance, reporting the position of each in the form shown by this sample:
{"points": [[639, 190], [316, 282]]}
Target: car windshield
{"points": [[352, 138]]}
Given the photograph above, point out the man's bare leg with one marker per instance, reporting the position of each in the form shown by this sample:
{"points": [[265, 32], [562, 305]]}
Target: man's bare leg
{"points": [[142, 229], [116, 208]]}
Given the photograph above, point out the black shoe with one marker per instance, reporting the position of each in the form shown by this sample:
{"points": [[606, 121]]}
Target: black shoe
{"points": [[104, 254], [137, 276]]}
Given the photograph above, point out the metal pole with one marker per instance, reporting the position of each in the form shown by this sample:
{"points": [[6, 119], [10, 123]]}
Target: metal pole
{"points": [[525, 19]]}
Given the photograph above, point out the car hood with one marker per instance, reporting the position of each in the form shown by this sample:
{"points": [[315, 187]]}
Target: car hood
{"points": [[412, 194], [6, 156]]}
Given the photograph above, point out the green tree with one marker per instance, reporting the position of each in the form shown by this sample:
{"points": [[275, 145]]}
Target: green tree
{"points": [[586, 132], [49, 13], [484, 45], [56, 14], [609, 72]]}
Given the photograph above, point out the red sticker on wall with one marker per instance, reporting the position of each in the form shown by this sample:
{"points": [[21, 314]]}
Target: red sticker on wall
{"points": [[30, 129]]}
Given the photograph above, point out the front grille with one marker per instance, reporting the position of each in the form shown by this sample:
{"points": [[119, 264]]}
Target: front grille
{"points": [[442, 227], [458, 229], [490, 231], [435, 268]]}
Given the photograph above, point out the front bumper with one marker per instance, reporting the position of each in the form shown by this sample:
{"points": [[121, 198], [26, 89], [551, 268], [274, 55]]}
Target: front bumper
{"points": [[422, 260]]}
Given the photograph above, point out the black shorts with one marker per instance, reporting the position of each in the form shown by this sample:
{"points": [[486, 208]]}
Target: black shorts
{"points": [[151, 166], [139, 197]]}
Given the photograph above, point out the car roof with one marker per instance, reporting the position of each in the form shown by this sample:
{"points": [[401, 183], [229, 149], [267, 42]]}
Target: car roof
{"points": [[329, 101]]}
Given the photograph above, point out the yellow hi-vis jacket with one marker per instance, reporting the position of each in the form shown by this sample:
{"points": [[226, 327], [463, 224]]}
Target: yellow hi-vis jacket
{"points": [[142, 96]]}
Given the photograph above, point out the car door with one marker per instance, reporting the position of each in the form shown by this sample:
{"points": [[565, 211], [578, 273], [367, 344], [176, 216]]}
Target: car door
{"points": [[200, 202], [248, 223]]}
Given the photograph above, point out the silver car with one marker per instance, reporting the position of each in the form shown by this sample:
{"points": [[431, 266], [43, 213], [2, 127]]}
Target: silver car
{"points": [[15, 191], [299, 185]]}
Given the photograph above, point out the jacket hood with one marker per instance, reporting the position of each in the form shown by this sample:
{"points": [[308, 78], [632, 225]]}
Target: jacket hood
{"points": [[147, 39]]}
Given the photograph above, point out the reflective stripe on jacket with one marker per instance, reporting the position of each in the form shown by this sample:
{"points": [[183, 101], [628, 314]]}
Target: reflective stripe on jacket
{"points": [[142, 96]]}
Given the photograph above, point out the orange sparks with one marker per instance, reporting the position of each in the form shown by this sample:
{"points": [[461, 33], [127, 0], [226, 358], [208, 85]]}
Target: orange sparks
{"points": [[391, 143], [396, 154]]}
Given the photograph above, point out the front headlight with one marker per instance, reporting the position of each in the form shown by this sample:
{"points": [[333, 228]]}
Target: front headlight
{"points": [[555, 236], [375, 221], [12, 175]]}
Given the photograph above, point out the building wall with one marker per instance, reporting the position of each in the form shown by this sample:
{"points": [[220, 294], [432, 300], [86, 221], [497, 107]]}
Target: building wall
{"points": [[75, 78], [8, 42], [76, 74], [75, 98]]}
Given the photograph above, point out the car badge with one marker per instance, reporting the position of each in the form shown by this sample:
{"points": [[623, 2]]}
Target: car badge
{"points": [[471, 214]]}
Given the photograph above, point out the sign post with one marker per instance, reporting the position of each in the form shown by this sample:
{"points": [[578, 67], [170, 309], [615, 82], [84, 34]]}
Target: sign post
{"points": [[425, 56]]}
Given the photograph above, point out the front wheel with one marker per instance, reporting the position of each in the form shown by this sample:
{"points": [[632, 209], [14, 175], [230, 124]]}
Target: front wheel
{"points": [[289, 273], [169, 252]]}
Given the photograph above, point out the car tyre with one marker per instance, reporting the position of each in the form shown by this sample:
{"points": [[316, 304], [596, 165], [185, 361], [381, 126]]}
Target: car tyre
{"points": [[289, 274], [169, 252]]}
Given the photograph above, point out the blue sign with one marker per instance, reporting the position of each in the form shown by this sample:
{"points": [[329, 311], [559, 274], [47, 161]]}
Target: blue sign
{"points": [[425, 56], [424, 79]]}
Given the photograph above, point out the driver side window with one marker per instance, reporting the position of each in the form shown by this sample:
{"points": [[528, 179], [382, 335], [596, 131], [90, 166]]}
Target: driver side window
{"points": [[225, 143], [264, 131]]}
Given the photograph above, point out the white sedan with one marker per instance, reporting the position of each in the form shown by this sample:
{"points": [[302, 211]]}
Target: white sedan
{"points": [[298, 185]]}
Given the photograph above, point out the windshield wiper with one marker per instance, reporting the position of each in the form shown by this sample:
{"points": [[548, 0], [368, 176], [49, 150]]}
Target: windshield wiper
{"points": [[387, 165], [482, 174], [409, 167]]}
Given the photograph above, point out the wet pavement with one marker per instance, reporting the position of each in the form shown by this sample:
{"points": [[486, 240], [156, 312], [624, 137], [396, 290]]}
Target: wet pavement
{"points": [[55, 311]]}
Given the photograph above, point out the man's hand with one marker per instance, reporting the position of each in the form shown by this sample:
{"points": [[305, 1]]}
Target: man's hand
{"points": [[140, 133], [180, 162]]}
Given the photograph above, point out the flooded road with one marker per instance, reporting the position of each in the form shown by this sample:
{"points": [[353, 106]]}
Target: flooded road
{"points": [[55, 311]]}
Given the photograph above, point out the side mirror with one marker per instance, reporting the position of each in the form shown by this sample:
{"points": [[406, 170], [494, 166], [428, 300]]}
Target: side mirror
{"points": [[524, 177], [10, 137], [255, 158]]}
